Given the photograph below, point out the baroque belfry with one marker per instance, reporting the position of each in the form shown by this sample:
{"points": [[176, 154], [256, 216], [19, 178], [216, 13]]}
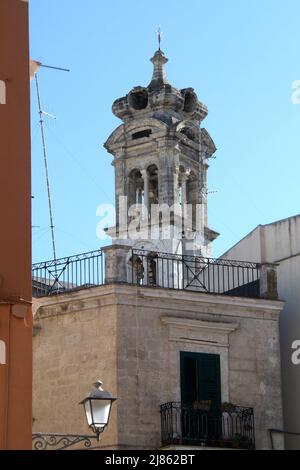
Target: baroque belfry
{"points": [[161, 157], [189, 344]]}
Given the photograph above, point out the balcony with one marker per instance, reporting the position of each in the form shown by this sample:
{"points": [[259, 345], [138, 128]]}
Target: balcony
{"points": [[190, 426], [153, 269]]}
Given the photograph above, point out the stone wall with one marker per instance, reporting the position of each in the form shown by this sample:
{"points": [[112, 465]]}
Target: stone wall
{"points": [[74, 345], [131, 338]]}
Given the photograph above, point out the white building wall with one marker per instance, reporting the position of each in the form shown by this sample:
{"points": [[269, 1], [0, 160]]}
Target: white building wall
{"points": [[279, 242]]}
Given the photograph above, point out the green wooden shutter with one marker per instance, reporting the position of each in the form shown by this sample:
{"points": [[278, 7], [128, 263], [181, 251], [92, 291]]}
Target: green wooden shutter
{"points": [[200, 378]]}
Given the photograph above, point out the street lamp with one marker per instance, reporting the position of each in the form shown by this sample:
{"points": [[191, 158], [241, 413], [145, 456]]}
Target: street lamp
{"points": [[97, 406]]}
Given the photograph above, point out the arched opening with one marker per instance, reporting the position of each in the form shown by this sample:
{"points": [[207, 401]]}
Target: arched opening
{"points": [[152, 171], [135, 188], [137, 270], [192, 196], [181, 178], [138, 99], [190, 102], [189, 133]]}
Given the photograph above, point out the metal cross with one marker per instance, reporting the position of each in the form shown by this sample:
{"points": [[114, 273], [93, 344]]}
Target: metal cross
{"points": [[159, 36]]}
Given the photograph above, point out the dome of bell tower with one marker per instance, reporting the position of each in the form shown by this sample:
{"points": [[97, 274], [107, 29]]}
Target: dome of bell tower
{"points": [[160, 99]]}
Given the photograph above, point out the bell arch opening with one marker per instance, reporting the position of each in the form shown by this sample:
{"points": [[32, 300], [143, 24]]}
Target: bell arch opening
{"points": [[192, 196], [135, 188], [138, 99], [190, 102], [152, 171]]}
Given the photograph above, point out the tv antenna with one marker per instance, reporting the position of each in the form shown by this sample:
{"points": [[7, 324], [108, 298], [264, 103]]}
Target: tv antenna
{"points": [[211, 191], [34, 67]]}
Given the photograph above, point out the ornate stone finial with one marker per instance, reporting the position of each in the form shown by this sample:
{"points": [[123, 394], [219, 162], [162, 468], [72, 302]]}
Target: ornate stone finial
{"points": [[159, 77]]}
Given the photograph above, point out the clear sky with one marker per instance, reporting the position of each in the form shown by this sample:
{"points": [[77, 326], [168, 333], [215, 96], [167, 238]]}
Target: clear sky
{"points": [[240, 56]]}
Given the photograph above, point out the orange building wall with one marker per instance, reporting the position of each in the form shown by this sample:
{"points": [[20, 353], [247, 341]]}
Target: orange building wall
{"points": [[15, 228]]}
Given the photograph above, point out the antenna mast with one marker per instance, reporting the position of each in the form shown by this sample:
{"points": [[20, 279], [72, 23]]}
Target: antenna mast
{"points": [[46, 166], [41, 112]]}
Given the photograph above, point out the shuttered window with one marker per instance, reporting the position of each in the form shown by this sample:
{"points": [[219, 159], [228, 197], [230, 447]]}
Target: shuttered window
{"points": [[200, 379]]}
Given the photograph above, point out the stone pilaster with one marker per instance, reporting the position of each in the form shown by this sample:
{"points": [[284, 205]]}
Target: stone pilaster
{"points": [[115, 263], [268, 281]]}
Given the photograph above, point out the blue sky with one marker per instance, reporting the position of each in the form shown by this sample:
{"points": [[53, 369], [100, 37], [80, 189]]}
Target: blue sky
{"points": [[241, 57]]}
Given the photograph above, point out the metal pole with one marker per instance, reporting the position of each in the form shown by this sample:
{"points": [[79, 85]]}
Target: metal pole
{"points": [[46, 166], [54, 68]]}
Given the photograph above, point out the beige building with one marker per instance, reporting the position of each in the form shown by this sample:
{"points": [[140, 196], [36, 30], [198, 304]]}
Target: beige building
{"points": [[189, 344]]}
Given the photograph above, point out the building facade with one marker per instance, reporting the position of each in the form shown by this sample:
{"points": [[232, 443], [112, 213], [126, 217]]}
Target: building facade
{"points": [[15, 233], [189, 344]]}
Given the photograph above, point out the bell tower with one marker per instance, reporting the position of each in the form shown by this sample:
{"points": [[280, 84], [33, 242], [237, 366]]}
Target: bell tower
{"points": [[161, 156]]}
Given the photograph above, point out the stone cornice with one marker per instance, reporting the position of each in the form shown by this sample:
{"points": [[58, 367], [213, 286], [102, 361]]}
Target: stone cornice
{"points": [[165, 299], [213, 326], [215, 333]]}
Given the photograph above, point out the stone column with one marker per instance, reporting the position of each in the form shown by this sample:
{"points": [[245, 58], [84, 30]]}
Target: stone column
{"points": [[145, 177], [176, 184], [166, 167], [137, 196], [183, 189], [268, 281], [120, 189]]}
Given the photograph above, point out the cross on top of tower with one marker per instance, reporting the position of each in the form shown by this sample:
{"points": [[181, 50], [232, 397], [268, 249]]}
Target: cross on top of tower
{"points": [[159, 36]]}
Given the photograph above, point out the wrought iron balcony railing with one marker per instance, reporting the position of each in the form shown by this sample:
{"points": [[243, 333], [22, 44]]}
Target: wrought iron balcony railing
{"points": [[188, 425], [149, 269], [195, 273], [68, 274]]}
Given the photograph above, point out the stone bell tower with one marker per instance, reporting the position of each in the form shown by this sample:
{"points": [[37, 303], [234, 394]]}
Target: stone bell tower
{"points": [[161, 158]]}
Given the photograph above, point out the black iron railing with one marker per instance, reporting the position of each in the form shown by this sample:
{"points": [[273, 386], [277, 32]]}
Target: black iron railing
{"points": [[195, 273], [186, 425], [292, 439], [149, 269], [68, 274]]}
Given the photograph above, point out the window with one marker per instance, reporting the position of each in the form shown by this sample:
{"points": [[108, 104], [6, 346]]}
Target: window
{"points": [[201, 419], [200, 380], [135, 188], [153, 184], [137, 270], [141, 134], [192, 196]]}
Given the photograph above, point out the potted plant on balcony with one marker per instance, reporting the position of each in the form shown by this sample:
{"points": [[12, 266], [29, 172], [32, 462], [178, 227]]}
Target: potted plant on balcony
{"points": [[228, 407], [202, 405]]}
